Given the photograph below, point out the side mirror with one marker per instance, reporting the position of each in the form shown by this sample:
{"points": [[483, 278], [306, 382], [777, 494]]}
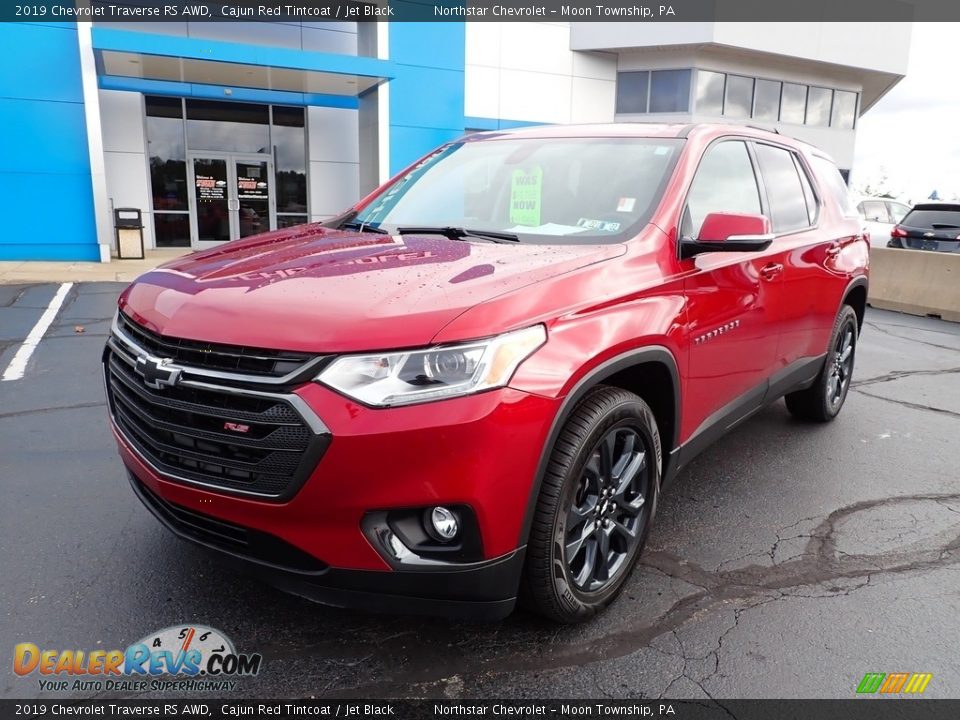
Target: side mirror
{"points": [[729, 232]]}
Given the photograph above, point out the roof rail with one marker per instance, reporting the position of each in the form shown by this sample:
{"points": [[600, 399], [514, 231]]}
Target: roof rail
{"points": [[769, 128]]}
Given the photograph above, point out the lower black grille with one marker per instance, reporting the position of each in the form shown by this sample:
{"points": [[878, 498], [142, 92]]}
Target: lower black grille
{"points": [[243, 443], [243, 542]]}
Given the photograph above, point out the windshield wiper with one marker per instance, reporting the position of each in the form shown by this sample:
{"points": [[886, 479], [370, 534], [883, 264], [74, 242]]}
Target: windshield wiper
{"points": [[943, 226], [362, 227], [458, 233]]}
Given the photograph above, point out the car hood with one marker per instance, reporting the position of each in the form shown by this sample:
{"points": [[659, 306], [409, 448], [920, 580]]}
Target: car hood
{"points": [[319, 290]]}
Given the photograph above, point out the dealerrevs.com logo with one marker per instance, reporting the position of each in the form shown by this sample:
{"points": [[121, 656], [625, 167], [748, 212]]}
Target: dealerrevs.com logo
{"points": [[181, 657]]}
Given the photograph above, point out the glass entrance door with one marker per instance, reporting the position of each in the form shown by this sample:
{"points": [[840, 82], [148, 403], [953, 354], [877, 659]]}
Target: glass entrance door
{"points": [[253, 196], [232, 197]]}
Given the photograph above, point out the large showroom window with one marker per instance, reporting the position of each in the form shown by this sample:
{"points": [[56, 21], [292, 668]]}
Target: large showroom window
{"points": [[178, 129]]}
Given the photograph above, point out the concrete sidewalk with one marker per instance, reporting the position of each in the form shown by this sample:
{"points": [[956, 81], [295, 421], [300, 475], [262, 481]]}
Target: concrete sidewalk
{"points": [[34, 271]]}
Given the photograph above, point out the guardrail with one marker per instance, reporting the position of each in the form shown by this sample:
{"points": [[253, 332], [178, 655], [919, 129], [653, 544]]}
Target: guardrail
{"points": [[917, 282]]}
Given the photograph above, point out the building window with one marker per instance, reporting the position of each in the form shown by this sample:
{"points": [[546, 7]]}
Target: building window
{"points": [[766, 101], [176, 127], [290, 163], [739, 97], [717, 94], [669, 91], [227, 126], [167, 155], [709, 95], [819, 101], [844, 111], [289, 220], [171, 229], [632, 91], [793, 103]]}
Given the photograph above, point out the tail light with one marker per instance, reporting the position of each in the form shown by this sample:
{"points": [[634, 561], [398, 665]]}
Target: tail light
{"points": [[898, 232]]}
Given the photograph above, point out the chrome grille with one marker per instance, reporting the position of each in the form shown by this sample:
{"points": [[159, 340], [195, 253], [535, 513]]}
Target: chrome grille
{"points": [[240, 440], [254, 363]]}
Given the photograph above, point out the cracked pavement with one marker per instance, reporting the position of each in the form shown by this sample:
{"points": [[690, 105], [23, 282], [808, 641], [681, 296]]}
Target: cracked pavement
{"points": [[786, 561]]}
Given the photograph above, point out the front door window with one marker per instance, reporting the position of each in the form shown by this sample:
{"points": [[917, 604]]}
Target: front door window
{"points": [[233, 197]]}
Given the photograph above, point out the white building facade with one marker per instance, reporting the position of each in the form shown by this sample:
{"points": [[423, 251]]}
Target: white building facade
{"points": [[808, 80], [218, 130]]}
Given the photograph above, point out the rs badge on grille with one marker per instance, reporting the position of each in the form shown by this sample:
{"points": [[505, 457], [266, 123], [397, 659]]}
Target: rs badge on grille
{"points": [[236, 427]]}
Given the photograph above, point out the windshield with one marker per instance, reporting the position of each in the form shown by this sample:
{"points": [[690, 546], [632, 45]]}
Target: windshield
{"points": [[547, 190]]}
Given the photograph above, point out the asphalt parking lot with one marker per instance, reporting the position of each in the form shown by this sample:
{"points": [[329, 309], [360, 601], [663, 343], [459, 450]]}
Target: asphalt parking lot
{"points": [[787, 561]]}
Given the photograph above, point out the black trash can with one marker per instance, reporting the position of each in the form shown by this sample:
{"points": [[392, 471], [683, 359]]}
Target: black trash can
{"points": [[128, 224]]}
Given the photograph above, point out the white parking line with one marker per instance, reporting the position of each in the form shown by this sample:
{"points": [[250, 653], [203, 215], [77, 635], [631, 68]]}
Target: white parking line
{"points": [[18, 365]]}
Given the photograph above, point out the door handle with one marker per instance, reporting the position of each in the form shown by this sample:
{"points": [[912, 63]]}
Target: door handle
{"points": [[769, 272]]}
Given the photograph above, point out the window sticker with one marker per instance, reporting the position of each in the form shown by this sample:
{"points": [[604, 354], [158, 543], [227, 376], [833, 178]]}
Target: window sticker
{"points": [[626, 204], [548, 229], [526, 190], [598, 225]]}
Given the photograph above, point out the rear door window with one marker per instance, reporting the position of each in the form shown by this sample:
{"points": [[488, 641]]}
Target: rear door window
{"points": [[897, 211], [788, 205], [874, 210]]}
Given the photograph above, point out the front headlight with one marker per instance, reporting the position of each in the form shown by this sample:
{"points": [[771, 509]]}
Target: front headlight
{"points": [[416, 376]]}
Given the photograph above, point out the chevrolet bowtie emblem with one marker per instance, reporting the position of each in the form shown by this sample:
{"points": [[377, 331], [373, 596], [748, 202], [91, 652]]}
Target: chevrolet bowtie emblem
{"points": [[155, 372]]}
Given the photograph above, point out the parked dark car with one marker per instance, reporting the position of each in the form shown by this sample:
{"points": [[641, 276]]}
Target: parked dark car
{"points": [[929, 226]]}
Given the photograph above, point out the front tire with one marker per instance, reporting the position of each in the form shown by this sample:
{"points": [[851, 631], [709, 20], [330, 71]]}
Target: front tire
{"points": [[596, 504], [821, 402]]}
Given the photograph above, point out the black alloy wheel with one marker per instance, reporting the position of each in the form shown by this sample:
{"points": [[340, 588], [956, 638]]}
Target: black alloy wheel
{"points": [[822, 401], [597, 499], [841, 366], [605, 519]]}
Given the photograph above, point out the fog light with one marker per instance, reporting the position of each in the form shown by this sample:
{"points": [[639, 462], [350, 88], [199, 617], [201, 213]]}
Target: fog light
{"points": [[445, 524]]}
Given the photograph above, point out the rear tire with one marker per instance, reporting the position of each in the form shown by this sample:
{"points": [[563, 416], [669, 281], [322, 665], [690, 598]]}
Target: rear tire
{"points": [[822, 401], [595, 507]]}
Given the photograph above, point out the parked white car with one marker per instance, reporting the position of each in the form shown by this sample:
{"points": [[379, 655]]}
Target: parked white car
{"points": [[880, 215]]}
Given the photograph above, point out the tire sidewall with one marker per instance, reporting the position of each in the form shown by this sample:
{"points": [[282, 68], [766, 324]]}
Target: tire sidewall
{"points": [[575, 601], [846, 318]]}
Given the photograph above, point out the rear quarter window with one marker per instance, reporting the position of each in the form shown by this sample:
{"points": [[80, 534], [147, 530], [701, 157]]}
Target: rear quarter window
{"points": [[834, 185]]}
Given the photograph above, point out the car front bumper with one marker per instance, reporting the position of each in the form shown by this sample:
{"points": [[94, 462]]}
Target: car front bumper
{"points": [[481, 452]]}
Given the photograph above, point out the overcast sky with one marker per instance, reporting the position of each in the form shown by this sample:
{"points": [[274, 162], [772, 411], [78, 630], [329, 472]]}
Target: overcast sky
{"points": [[913, 133]]}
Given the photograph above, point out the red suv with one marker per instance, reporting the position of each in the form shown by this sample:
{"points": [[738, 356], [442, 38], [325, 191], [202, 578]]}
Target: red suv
{"points": [[474, 385]]}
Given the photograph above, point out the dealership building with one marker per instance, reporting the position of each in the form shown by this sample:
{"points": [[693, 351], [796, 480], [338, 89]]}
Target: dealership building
{"points": [[218, 130]]}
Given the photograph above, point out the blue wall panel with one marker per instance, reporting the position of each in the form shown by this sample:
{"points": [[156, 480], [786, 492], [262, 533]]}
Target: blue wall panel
{"points": [[426, 94], [44, 163], [40, 136]]}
